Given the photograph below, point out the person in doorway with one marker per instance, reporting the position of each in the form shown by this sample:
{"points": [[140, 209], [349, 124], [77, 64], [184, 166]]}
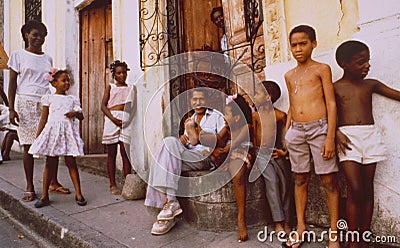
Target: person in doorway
{"points": [[217, 17]]}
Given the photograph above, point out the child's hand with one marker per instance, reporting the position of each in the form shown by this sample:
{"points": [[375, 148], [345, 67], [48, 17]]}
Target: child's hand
{"points": [[342, 142], [189, 120], [328, 149], [117, 122], [279, 153], [71, 114], [184, 140]]}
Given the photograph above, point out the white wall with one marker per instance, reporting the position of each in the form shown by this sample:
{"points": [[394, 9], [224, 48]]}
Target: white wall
{"points": [[380, 30], [13, 20], [62, 43]]}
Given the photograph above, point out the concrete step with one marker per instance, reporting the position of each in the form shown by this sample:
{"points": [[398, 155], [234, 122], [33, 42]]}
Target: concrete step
{"points": [[97, 164], [217, 210]]}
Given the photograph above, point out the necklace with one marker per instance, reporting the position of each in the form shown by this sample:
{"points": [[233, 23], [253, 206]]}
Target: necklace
{"points": [[296, 87]]}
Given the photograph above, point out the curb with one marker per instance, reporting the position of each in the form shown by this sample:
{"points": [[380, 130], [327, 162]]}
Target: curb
{"points": [[51, 223]]}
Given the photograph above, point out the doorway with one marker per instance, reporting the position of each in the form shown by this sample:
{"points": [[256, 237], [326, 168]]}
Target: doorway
{"points": [[96, 54]]}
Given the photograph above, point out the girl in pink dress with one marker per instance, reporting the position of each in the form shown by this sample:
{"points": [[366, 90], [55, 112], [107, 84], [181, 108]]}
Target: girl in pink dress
{"points": [[117, 108]]}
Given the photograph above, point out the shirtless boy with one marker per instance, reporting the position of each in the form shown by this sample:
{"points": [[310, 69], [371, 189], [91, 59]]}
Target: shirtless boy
{"points": [[311, 128], [360, 144]]}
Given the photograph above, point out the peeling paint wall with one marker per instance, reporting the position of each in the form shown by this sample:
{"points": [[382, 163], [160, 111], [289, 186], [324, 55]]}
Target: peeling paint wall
{"points": [[334, 21]]}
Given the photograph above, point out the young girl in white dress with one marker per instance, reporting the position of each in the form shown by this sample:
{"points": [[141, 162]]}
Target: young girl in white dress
{"points": [[58, 134], [118, 106]]}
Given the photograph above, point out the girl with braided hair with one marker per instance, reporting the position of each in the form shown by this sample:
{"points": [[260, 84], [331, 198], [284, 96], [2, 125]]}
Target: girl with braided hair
{"points": [[116, 101]]}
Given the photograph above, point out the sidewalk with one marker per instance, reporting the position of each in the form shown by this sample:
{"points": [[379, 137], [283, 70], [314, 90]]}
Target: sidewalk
{"points": [[106, 221]]}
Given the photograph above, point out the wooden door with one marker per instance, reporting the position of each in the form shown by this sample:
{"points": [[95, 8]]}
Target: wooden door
{"points": [[96, 53], [236, 34], [201, 34]]}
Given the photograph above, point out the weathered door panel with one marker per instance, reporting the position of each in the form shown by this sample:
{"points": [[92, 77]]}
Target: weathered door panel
{"points": [[95, 49]]}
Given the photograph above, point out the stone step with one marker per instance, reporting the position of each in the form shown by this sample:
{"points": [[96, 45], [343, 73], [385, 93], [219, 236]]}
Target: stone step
{"points": [[217, 210], [94, 163]]}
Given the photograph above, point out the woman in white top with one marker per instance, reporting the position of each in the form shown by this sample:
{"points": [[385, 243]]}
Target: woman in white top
{"points": [[27, 67]]}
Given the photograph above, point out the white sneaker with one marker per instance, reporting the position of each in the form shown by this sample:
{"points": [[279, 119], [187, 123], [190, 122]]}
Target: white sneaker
{"points": [[169, 211], [161, 227]]}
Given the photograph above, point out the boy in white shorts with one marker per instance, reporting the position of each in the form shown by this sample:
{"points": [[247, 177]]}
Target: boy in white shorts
{"points": [[359, 143]]}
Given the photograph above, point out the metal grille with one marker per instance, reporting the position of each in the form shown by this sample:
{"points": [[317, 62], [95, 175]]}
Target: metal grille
{"points": [[158, 31], [253, 21], [159, 39], [33, 10]]}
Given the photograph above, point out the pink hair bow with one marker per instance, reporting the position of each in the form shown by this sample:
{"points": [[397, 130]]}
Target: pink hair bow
{"points": [[230, 99], [49, 76]]}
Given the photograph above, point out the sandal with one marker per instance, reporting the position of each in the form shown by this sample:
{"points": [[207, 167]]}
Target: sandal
{"points": [[29, 196], [80, 201], [59, 189], [115, 190], [42, 203]]}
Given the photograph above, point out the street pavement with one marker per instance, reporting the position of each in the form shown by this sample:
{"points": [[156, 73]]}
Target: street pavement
{"points": [[12, 236], [107, 220]]}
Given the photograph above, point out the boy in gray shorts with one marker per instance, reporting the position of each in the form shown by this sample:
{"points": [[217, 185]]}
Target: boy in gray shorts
{"points": [[311, 125]]}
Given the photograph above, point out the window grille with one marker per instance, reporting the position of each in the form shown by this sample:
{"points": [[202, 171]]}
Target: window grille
{"points": [[33, 10]]}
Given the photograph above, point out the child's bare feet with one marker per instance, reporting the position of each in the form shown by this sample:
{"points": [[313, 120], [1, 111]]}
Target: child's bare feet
{"points": [[296, 241], [287, 228], [242, 232], [115, 190], [279, 230]]}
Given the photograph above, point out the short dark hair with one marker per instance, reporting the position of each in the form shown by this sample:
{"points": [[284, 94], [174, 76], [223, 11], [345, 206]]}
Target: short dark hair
{"points": [[304, 29], [33, 24], [273, 90], [116, 64], [239, 106], [216, 9], [57, 74], [199, 89], [348, 49]]}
